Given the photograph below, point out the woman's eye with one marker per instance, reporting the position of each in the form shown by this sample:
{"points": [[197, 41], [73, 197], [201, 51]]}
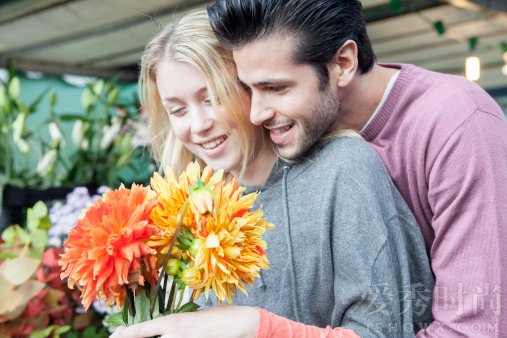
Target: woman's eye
{"points": [[176, 111], [207, 100]]}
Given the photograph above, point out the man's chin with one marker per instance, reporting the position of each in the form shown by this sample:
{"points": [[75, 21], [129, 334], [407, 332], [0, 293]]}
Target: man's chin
{"points": [[288, 153]]}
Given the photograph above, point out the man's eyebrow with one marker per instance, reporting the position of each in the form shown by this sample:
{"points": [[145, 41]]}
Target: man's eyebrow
{"points": [[270, 82]]}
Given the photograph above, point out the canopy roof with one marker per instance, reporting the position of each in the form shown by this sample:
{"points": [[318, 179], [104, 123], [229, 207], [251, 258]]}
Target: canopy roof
{"points": [[106, 37]]}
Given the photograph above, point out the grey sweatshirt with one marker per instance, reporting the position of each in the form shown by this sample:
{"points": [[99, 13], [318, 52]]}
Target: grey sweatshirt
{"points": [[345, 251]]}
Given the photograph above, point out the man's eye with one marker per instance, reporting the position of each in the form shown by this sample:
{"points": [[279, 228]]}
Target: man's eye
{"points": [[245, 87], [277, 89]]}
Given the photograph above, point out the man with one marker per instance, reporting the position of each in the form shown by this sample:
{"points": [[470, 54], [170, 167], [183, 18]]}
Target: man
{"points": [[442, 139]]}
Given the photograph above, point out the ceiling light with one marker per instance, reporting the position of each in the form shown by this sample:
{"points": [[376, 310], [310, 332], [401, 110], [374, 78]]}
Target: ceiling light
{"points": [[473, 68], [472, 62], [503, 46]]}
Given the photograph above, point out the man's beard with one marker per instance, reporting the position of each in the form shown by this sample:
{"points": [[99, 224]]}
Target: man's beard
{"points": [[320, 119]]}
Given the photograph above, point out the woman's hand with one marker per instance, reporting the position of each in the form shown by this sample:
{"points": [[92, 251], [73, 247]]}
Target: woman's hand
{"points": [[218, 321]]}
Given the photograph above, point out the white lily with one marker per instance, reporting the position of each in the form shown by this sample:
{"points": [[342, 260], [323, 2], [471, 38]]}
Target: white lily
{"points": [[109, 133], [55, 134], [47, 162], [77, 133]]}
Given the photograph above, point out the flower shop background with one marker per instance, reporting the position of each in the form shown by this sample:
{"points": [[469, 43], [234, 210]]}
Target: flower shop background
{"points": [[64, 140]]}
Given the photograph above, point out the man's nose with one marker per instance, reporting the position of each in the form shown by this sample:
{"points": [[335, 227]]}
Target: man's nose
{"points": [[259, 111]]}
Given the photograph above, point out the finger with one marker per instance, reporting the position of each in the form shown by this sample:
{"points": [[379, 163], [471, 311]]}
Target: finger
{"points": [[147, 329]]}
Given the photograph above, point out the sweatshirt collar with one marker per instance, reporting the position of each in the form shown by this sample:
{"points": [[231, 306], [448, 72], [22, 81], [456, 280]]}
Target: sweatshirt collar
{"points": [[377, 124]]}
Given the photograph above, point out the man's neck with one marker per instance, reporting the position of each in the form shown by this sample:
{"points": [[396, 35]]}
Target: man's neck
{"points": [[360, 99]]}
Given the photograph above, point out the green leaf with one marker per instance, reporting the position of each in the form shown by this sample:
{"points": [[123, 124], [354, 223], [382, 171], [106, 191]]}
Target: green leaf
{"points": [[4, 103], [125, 312], [7, 255], [60, 330], [42, 333], [9, 235], [53, 99], [93, 332], [142, 305], [39, 238], [113, 96], [188, 307], [14, 232], [72, 117], [40, 209], [35, 214], [45, 223], [38, 99], [114, 320]]}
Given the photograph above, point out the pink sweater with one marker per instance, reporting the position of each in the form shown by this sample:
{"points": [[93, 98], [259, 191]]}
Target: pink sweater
{"points": [[444, 143]]}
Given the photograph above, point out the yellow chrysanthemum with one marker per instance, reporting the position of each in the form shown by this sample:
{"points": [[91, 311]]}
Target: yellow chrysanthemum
{"points": [[172, 195], [234, 251]]}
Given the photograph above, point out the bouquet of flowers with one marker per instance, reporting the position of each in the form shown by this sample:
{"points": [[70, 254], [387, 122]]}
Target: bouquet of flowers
{"points": [[196, 230]]}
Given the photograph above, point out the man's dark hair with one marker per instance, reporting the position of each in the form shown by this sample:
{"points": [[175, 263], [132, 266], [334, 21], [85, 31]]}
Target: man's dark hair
{"points": [[322, 27]]}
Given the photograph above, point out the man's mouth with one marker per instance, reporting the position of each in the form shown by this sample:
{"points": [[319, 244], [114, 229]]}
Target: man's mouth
{"points": [[280, 130], [279, 134]]}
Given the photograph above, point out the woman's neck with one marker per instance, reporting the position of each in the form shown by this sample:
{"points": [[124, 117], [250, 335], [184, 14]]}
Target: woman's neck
{"points": [[260, 167]]}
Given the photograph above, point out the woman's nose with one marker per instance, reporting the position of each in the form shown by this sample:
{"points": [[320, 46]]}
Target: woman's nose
{"points": [[201, 121]]}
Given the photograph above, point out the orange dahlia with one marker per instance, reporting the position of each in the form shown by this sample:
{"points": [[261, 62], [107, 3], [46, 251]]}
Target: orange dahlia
{"points": [[107, 249], [234, 251], [191, 186]]}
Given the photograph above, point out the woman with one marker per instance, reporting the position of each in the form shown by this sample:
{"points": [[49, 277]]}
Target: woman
{"points": [[346, 255]]}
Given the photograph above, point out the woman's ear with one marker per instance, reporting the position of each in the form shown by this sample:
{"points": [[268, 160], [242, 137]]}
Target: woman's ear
{"points": [[343, 66]]}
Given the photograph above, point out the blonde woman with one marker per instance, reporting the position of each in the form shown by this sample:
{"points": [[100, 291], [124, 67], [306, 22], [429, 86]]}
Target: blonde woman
{"points": [[323, 280]]}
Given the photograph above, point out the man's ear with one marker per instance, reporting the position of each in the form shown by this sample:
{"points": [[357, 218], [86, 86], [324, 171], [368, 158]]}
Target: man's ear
{"points": [[343, 66]]}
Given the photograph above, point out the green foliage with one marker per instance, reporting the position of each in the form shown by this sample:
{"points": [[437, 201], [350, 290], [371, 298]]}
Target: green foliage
{"points": [[41, 155]]}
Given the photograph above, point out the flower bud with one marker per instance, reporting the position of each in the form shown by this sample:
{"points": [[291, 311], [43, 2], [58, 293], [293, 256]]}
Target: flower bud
{"points": [[109, 134], [47, 162], [77, 133], [191, 276], [87, 98], [18, 125], [14, 88], [55, 134], [195, 247], [201, 200], [173, 266], [98, 87]]}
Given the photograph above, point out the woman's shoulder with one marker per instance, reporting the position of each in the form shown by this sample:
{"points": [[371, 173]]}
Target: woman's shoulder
{"points": [[348, 153]]}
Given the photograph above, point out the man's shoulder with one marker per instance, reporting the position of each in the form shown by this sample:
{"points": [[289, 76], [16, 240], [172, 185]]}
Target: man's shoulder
{"points": [[439, 94]]}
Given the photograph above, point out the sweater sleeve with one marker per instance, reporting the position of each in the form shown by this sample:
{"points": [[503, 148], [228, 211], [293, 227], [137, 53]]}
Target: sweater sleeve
{"points": [[467, 187], [271, 325]]}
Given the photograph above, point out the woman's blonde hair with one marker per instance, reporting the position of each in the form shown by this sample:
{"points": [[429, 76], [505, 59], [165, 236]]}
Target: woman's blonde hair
{"points": [[190, 39]]}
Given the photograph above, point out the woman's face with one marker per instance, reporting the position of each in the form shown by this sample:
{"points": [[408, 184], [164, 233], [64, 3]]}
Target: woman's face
{"points": [[186, 99]]}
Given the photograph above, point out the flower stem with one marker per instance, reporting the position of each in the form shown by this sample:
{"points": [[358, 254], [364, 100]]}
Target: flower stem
{"points": [[171, 298], [180, 300], [166, 259]]}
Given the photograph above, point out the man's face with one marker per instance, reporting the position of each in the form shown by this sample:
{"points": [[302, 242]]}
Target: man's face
{"points": [[286, 98]]}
